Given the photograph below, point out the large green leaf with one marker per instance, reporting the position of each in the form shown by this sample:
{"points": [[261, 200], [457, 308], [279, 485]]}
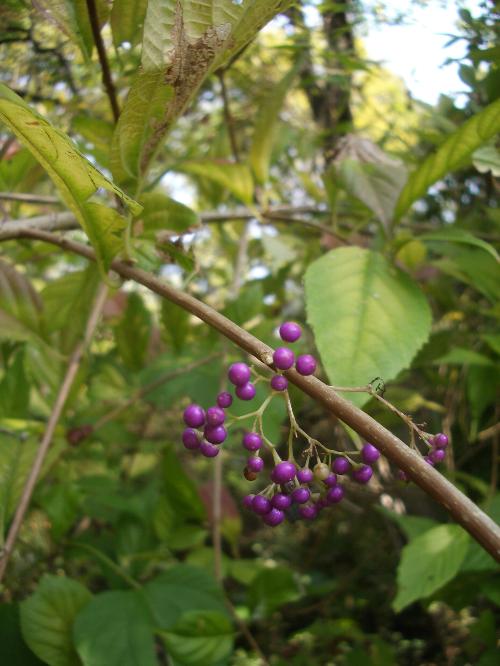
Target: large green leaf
{"points": [[266, 126], [184, 41], [369, 318], [270, 589], [76, 178], [200, 638], [181, 491], [15, 389], [115, 629], [429, 562], [452, 154], [47, 619]]}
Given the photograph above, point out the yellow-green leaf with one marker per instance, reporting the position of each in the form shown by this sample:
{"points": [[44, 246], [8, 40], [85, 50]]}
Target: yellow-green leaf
{"points": [[451, 155]]}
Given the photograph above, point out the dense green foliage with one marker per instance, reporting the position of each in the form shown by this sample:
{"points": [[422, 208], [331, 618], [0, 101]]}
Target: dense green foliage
{"points": [[247, 168]]}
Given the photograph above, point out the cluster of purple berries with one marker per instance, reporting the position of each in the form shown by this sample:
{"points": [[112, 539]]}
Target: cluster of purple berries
{"points": [[284, 358], [206, 430], [437, 453], [309, 490]]}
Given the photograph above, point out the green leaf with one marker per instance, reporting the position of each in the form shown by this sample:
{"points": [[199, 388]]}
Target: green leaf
{"points": [[429, 562], [163, 214], [369, 318], [67, 302], [115, 629], [178, 38], [47, 619], [412, 526], [97, 132], [200, 638], [237, 178], [75, 177], [461, 356], [64, 15], [487, 159], [14, 650], [453, 235], [181, 589], [370, 175], [133, 333], [377, 185], [270, 589], [180, 490], [20, 307], [17, 452], [266, 126], [175, 321], [451, 155], [15, 389], [127, 20], [473, 267]]}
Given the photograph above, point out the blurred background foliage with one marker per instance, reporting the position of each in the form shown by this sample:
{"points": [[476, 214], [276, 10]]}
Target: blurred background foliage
{"points": [[116, 555]]}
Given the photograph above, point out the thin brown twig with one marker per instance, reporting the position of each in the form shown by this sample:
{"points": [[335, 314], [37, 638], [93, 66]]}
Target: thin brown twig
{"points": [[107, 79], [480, 526], [65, 388]]}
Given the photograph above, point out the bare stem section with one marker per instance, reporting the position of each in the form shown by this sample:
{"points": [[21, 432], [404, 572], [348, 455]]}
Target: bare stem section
{"points": [[62, 396], [461, 508]]}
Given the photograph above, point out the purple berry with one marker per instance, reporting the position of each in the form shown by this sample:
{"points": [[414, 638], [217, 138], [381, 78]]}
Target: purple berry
{"points": [[440, 441], [255, 464], [305, 475], [341, 465], [215, 416], [290, 331], [252, 441], [209, 450], [279, 383], [403, 476], [261, 505], [191, 439], [246, 391], [306, 364], [438, 455], [283, 472], [335, 495], [239, 374], [309, 511], [274, 517], [429, 461], [301, 495], [247, 501], [283, 358], [330, 481], [370, 454], [215, 434], [363, 474], [224, 400], [281, 501], [194, 416]]}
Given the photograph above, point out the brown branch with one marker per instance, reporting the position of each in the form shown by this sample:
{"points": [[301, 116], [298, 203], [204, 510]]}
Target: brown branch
{"points": [[461, 508], [29, 198], [69, 378], [103, 59], [53, 222]]}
